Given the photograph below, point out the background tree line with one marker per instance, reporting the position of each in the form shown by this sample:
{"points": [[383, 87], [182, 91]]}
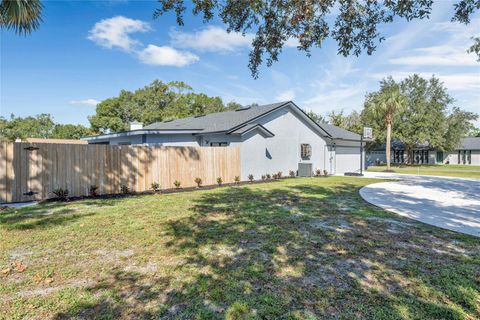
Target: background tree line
{"points": [[427, 115], [155, 102]]}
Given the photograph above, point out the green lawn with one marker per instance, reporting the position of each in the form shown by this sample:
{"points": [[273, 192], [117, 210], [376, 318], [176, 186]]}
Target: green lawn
{"points": [[451, 170], [296, 249]]}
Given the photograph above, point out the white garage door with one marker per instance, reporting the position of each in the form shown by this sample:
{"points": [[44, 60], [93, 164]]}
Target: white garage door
{"points": [[347, 159]]}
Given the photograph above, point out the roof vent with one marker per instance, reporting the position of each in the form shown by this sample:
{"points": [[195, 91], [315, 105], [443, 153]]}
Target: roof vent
{"points": [[243, 108]]}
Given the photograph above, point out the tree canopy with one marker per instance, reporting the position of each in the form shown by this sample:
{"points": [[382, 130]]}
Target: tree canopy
{"points": [[39, 126], [428, 118], [23, 16], [352, 24], [155, 102]]}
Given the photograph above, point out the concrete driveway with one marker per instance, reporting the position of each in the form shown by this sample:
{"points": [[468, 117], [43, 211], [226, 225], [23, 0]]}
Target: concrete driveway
{"points": [[445, 202]]}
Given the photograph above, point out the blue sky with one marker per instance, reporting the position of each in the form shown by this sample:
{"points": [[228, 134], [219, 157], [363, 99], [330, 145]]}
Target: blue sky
{"points": [[85, 52]]}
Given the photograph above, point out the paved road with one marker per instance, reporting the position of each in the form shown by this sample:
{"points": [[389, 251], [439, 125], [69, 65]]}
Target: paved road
{"points": [[445, 202]]}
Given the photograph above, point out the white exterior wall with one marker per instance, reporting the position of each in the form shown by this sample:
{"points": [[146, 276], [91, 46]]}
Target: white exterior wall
{"points": [[452, 157], [432, 157], [181, 140], [476, 157], [261, 155], [130, 139], [347, 159]]}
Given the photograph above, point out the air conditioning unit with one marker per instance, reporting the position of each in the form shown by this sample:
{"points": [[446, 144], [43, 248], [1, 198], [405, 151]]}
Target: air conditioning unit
{"points": [[305, 169]]}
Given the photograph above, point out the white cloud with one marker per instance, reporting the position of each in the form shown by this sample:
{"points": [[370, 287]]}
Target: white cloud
{"points": [[292, 43], [455, 40], [85, 102], [211, 39], [166, 56], [217, 39], [286, 95], [346, 98], [114, 32], [444, 55]]}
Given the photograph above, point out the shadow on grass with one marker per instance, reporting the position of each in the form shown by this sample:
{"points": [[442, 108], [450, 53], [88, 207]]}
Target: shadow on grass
{"points": [[130, 294], [48, 214], [299, 252]]}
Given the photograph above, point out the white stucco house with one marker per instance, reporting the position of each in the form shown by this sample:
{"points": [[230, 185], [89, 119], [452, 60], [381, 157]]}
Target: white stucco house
{"points": [[272, 138]]}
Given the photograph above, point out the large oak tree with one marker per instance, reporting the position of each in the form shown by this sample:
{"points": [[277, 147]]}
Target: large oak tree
{"points": [[353, 24], [157, 101]]}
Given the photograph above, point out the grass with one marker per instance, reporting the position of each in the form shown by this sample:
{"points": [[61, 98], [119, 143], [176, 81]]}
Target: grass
{"points": [[450, 170], [295, 249]]}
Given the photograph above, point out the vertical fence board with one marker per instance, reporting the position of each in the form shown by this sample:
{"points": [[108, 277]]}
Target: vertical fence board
{"points": [[77, 167]]}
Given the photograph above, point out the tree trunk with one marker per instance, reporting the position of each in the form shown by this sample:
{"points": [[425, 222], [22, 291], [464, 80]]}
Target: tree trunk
{"points": [[388, 147]]}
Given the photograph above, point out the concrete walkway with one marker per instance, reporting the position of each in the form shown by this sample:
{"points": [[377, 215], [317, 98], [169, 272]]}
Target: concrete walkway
{"points": [[445, 202]]}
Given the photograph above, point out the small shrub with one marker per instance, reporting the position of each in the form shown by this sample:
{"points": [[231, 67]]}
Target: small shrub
{"points": [[219, 181], [292, 174], [274, 176], [325, 173], [264, 177], [124, 189], [279, 175], [198, 181], [237, 179], [318, 172], [268, 176], [177, 184], [155, 186], [61, 194], [93, 190], [250, 177]]}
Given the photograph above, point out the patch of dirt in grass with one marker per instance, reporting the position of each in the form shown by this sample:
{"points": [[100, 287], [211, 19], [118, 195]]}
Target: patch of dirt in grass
{"points": [[149, 268], [20, 254], [114, 255], [337, 225], [46, 290], [391, 221]]}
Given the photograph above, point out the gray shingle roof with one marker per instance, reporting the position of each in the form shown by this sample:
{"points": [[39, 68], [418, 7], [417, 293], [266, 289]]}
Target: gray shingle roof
{"points": [[228, 120], [470, 143], [339, 133], [214, 122]]}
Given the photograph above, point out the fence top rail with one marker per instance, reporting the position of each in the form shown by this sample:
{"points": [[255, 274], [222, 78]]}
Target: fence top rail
{"points": [[123, 145]]}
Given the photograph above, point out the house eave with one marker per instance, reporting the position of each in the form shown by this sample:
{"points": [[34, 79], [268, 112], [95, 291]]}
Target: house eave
{"points": [[138, 132]]}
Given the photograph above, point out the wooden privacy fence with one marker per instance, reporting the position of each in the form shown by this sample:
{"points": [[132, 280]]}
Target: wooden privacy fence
{"points": [[30, 171]]}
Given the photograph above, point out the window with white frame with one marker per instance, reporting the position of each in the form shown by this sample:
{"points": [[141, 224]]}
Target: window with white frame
{"points": [[305, 151]]}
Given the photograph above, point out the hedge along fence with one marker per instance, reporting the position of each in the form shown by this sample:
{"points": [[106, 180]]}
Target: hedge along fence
{"points": [[30, 171]]}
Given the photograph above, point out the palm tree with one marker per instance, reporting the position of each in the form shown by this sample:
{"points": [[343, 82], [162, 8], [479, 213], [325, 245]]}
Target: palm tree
{"points": [[384, 104], [23, 16]]}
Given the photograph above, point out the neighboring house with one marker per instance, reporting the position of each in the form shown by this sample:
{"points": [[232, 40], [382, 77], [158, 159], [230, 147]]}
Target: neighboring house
{"points": [[272, 138], [467, 152]]}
